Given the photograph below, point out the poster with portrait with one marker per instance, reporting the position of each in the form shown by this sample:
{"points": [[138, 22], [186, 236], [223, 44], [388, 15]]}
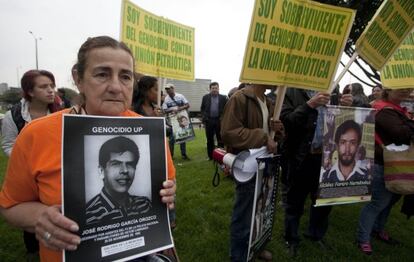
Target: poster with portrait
{"points": [[182, 128], [264, 204], [347, 155], [112, 171]]}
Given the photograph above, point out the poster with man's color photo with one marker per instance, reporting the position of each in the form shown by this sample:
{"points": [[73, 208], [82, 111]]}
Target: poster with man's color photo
{"points": [[182, 128], [347, 156], [113, 170]]}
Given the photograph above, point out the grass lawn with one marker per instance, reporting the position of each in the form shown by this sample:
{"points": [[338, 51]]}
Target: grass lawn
{"points": [[203, 219]]}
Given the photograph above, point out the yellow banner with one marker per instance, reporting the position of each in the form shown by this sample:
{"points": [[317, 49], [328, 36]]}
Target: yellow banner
{"points": [[296, 43], [393, 21], [161, 47], [399, 71]]}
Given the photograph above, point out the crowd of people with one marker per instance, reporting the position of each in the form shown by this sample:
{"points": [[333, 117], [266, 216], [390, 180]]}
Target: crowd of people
{"points": [[30, 198]]}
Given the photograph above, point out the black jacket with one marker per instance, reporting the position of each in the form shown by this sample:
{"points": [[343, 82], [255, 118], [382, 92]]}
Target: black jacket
{"points": [[299, 120], [205, 106]]}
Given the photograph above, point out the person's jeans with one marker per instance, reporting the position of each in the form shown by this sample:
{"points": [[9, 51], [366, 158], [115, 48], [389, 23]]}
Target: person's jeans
{"points": [[182, 146], [241, 221], [375, 214]]}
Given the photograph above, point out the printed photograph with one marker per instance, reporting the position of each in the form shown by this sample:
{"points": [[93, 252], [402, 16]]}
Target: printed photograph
{"points": [[119, 170]]}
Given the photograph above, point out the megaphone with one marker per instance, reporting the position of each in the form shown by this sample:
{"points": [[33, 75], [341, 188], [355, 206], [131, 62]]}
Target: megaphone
{"points": [[243, 166]]}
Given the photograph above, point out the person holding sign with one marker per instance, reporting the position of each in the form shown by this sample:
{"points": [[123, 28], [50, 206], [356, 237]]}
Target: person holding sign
{"points": [[392, 126], [302, 115], [246, 124], [31, 196], [348, 138], [175, 102], [118, 159]]}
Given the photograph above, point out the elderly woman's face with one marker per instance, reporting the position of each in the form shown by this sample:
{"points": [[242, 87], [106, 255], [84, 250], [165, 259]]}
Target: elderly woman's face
{"points": [[107, 82]]}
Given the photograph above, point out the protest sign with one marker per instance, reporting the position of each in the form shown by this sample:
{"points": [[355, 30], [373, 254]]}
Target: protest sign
{"points": [[347, 156], [182, 128], [399, 70], [264, 203], [392, 22], [113, 170], [295, 43], [161, 47]]}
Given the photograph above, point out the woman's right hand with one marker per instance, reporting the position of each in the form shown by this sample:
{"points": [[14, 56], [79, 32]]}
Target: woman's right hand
{"points": [[56, 231]]}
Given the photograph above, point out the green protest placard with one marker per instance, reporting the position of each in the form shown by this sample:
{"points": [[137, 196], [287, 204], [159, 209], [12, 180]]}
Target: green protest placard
{"points": [[295, 43], [399, 71], [393, 21], [161, 47]]}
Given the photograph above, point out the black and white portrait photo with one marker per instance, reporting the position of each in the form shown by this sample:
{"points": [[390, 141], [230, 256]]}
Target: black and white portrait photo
{"points": [[121, 177], [113, 171]]}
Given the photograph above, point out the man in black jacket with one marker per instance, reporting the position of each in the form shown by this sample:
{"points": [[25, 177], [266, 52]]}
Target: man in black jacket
{"points": [[303, 155], [212, 108]]}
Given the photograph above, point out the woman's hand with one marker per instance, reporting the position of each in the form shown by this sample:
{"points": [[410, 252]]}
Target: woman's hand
{"points": [[346, 100], [320, 99], [56, 231], [168, 193]]}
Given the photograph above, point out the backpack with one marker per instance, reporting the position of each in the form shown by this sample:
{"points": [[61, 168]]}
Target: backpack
{"points": [[16, 112]]}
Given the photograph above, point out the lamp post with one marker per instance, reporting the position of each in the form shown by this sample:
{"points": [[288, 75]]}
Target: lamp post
{"points": [[36, 38]]}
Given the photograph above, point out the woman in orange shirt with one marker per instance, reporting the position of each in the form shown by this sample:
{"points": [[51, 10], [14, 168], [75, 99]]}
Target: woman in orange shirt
{"points": [[31, 195]]}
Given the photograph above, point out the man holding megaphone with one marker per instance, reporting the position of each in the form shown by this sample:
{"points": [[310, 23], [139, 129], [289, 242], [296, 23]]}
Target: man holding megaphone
{"points": [[247, 124]]}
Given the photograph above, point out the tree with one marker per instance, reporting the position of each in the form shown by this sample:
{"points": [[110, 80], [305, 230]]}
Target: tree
{"points": [[365, 11], [70, 93], [11, 96]]}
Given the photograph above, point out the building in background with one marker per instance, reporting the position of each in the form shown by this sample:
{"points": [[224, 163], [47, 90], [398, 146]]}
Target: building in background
{"points": [[3, 88], [193, 91]]}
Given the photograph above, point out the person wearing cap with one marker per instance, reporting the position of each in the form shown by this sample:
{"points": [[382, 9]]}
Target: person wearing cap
{"points": [[175, 102]]}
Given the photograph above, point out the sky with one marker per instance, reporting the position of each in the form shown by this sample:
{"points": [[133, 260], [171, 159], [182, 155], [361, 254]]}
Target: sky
{"points": [[221, 29]]}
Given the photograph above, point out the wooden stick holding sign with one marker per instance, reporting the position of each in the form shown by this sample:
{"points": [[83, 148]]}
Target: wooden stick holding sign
{"points": [[346, 68], [280, 96], [160, 87]]}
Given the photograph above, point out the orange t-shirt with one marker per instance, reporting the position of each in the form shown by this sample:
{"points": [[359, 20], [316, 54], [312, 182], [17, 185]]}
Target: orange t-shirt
{"points": [[34, 170]]}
